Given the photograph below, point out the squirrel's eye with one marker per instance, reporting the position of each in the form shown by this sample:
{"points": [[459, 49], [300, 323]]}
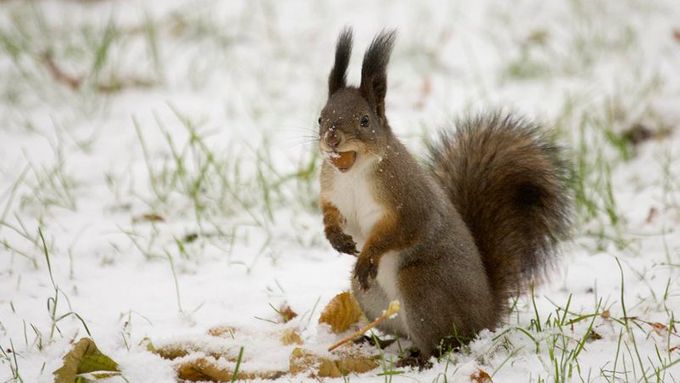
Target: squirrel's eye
{"points": [[364, 121], [319, 120]]}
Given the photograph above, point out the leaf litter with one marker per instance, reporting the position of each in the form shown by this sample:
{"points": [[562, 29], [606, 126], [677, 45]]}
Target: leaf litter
{"points": [[225, 352]]}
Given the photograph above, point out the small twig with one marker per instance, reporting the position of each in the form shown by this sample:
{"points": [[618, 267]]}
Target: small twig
{"points": [[58, 74], [76, 82], [116, 85], [392, 309]]}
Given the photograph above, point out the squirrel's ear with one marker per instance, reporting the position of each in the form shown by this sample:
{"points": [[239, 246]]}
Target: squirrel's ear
{"points": [[374, 70], [338, 77]]}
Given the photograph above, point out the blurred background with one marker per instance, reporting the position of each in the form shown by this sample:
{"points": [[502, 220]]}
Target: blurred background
{"points": [[166, 152]]}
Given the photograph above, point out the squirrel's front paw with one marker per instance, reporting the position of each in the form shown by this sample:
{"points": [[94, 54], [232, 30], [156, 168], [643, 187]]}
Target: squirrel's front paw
{"points": [[343, 243], [365, 268]]}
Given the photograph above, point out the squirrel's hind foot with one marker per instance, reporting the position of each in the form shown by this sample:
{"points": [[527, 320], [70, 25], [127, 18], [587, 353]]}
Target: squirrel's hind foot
{"points": [[412, 357]]}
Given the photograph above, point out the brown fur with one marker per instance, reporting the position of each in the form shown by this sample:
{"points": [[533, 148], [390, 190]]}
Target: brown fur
{"points": [[510, 186], [465, 233], [392, 231]]}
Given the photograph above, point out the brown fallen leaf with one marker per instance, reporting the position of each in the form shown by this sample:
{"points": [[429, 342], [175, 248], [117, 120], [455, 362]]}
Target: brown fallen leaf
{"points": [[85, 358], [170, 352], [391, 311], [538, 37], [222, 331], [290, 336], [341, 312], [593, 336], [651, 216], [148, 217], [286, 313], [177, 350], [605, 314], [191, 237], [302, 361], [209, 369], [480, 376], [658, 328], [637, 134]]}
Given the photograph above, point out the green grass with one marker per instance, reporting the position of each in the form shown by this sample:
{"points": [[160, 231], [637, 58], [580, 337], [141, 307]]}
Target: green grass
{"points": [[53, 301], [217, 192]]}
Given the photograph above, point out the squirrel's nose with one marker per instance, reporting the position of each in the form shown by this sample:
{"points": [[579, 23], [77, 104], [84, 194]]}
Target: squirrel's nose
{"points": [[332, 139]]}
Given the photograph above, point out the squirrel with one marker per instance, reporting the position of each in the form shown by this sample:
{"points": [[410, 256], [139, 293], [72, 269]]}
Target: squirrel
{"points": [[453, 240]]}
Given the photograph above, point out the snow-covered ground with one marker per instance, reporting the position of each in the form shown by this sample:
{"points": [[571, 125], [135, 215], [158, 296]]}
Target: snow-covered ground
{"points": [[165, 151]]}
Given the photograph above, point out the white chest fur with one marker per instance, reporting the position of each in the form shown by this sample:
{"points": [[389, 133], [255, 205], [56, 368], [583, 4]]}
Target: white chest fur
{"points": [[354, 196]]}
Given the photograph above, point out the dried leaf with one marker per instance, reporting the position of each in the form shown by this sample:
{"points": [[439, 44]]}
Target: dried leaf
{"points": [[84, 358], [177, 350], [637, 134], [223, 331], [290, 336], [480, 376], [593, 336], [202, 369], [538, 37], [391, 312], [170, 352], [190, 237], [357, 364], [651, 216], [341, 312], [305, 361], [659, 328], [300, 361], [148, 217], [208, 369], [286, 313]]}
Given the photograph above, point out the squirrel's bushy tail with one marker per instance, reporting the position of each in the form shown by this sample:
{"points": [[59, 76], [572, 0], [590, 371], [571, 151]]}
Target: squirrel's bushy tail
{"points": [[510, 185]]}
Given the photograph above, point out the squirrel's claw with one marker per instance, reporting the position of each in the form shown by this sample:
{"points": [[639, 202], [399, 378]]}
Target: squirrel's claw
{"points": [[343, 243], [364, 269]]}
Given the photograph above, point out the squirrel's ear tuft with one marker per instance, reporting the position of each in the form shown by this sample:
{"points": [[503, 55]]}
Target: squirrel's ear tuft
{"points": [[374, 70], [338, 77]]}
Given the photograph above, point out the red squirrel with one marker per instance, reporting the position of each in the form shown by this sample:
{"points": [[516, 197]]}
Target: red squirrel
{"points": [[452, 240]]}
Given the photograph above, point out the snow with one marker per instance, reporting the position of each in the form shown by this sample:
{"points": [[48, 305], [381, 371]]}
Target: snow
{"points": [[229, 131]]}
